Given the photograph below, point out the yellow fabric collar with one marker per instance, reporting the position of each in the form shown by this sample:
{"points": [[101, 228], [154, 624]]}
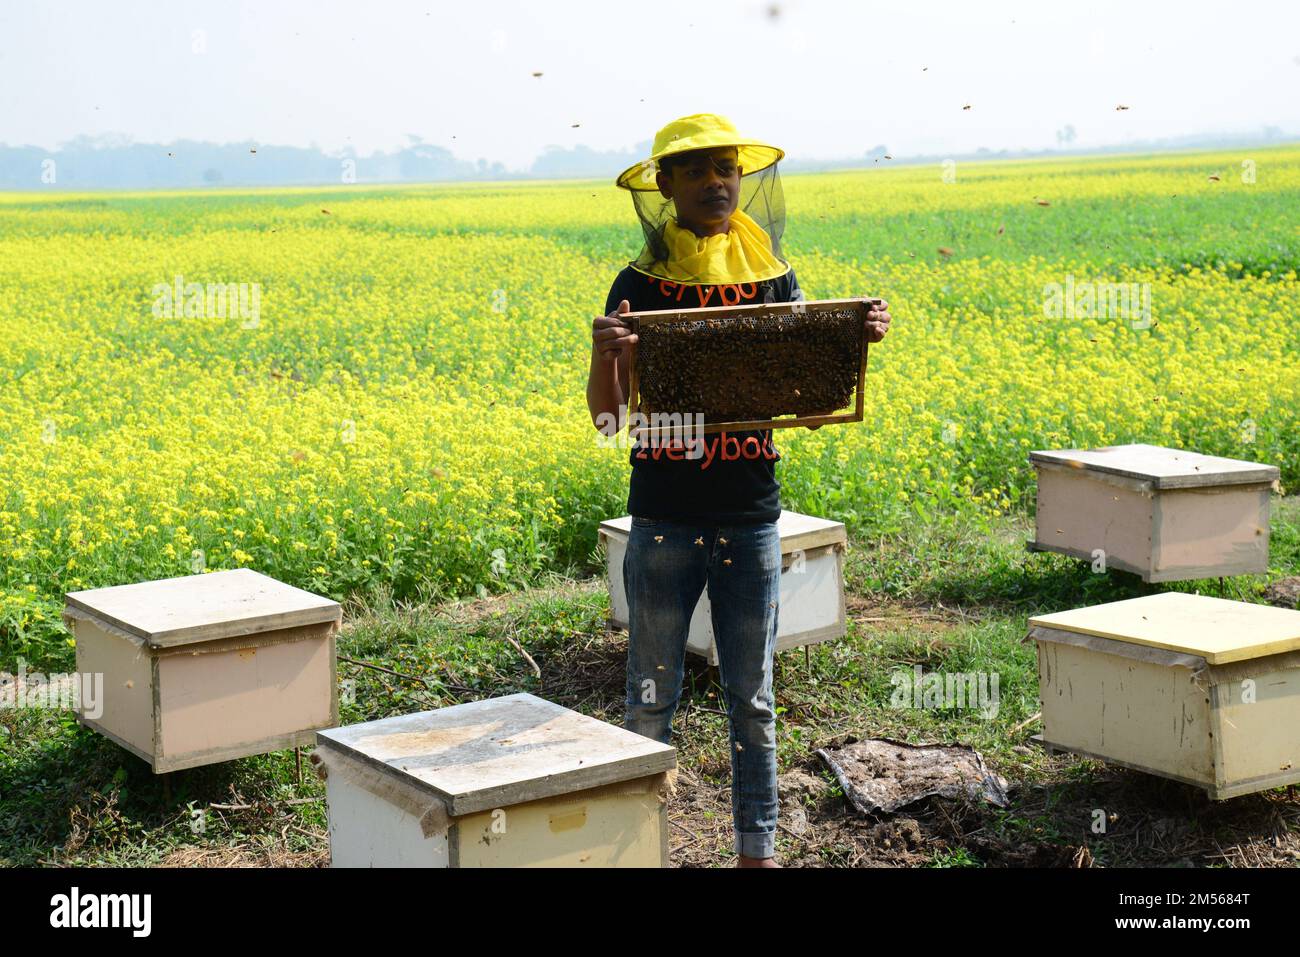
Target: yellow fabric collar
{"points": [[742, 254]]}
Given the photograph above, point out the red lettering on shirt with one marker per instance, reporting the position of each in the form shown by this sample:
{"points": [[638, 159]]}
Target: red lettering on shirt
{"points": [[732, 449], [730, 294], [709, 449]]}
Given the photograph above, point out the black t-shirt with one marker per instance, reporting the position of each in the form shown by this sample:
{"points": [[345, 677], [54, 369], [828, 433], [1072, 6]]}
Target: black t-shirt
{"points": [[733, 481]]}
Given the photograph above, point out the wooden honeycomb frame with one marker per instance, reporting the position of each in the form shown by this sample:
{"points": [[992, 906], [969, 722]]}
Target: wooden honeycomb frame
{"points": [[814, 308]]}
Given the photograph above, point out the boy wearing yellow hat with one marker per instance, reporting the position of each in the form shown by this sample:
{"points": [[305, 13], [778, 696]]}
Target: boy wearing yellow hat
{"points": [[704, 512]]}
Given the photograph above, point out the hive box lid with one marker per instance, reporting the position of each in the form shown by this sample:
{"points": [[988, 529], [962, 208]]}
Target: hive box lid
{"points": [[1162, 467], [797, 531], [1215, 629], [204, 607], [501, 751]]}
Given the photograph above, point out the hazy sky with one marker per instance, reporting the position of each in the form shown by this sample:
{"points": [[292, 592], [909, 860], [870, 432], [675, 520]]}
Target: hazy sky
{"points": [[822, 79]]}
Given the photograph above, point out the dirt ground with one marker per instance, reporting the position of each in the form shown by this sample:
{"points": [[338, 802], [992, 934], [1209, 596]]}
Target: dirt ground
{"points": [[1148, 821]]}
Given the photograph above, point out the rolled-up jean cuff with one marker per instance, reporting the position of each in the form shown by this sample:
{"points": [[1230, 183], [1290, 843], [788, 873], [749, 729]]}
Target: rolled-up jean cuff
{"points": [[759, 844]]}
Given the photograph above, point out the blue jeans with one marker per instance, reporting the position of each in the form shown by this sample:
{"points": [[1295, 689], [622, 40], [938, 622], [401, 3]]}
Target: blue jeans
{"points": [[665, 569]]}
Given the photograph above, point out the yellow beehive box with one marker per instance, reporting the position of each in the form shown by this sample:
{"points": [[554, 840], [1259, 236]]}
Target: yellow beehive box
{"points": [[812, 584], [1164, 514], [205, 668], [1201, 690], [515, 781]]}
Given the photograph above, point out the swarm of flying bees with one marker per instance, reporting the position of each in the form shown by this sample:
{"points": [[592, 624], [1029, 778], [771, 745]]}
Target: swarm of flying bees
{"points": [[747, 368]]}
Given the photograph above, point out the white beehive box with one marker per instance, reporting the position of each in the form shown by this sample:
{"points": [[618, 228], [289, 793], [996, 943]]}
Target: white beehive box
{"points": [[1164, 514], [1197, 689], [209, 667], [812, 584], [515, 781]]}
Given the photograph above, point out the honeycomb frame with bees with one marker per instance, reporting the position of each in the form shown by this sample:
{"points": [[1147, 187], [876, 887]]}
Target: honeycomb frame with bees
{"points": [[768, 366]]}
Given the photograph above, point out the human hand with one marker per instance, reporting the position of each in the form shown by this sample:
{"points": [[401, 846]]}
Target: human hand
{"points": [[611, 335], [878, 319]]}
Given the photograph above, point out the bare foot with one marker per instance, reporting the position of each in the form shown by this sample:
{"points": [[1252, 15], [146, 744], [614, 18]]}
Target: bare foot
{"points": [[743, 861]]}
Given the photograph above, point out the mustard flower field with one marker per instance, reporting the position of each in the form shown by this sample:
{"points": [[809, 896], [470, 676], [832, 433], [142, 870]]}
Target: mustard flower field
{"points": [[392, 392]]}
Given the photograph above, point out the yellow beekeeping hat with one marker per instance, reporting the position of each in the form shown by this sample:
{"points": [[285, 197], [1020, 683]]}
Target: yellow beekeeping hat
{"points": [[698, 132]]}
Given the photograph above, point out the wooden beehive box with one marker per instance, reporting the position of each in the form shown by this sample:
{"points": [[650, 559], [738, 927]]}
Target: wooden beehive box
{"points": [[1197, 689], [812, 584], [1165, 514], [744, 367], [507, 782], [210, 667]]}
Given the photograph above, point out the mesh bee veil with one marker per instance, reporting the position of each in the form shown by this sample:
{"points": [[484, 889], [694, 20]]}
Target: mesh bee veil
{"points": [[761, 198]]}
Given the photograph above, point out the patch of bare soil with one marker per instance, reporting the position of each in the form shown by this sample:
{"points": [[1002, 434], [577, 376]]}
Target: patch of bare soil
{"points": [[1149, 822], [467, 612], [890, 616], [246, 855], [589, 675], [1285, 592]]}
